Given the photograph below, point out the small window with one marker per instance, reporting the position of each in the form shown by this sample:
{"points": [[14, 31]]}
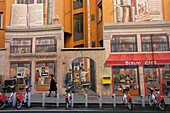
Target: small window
{"points": [[124, 43], [155, 43], [100, 11], [1, 20], [93, 44], [77, 4], [25, 1], [46, 45]]}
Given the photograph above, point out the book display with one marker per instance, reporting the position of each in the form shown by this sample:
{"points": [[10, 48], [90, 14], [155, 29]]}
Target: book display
{"points": [[124, 10]]}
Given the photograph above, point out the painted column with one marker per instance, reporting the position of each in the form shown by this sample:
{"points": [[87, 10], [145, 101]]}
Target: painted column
{"points": [[139, 43], [141, 79], [88, 4], [33, 76], [45, 11]]}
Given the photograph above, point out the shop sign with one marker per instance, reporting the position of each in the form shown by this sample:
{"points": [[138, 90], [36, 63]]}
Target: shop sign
{"points": [[147, 62], [44, 71]]}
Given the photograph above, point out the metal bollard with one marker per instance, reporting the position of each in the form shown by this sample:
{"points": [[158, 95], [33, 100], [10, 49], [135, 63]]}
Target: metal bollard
{"points": [[100, 100], [114, 100], [72, 100], [143, 100], [57, 99], [86, 100], [43, 101], [14, 100], [29, 99]]}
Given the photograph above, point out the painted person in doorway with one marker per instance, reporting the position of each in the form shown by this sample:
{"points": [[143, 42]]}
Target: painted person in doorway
{"points": [[83, 75], [53, 86], [70, 79]]}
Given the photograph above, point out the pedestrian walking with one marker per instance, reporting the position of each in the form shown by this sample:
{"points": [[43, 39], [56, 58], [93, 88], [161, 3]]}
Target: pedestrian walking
{"points": [[70, 79], [53, 86]]}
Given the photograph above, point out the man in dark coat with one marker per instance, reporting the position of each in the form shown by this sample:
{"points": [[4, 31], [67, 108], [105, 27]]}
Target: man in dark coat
{"points": [[70, 79], [53, 86]]}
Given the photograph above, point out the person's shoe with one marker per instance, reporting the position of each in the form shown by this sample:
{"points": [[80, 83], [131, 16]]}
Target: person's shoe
{"points": [[48, 96], [55, 96]]}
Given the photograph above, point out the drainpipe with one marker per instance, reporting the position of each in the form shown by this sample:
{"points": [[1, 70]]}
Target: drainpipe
{"points": [[88, 10]]}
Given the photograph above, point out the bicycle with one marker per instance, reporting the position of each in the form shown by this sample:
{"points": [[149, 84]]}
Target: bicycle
{"points": [[156, 99], [22, 98], [5, 98], [127, 99], [68, 95]]}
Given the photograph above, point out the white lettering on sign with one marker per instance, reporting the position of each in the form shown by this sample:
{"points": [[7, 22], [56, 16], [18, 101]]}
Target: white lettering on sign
{"points": [[147, 62]]}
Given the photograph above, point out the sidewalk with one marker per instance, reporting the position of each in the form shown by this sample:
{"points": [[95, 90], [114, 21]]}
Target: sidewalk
{"points": [[80, 99]]}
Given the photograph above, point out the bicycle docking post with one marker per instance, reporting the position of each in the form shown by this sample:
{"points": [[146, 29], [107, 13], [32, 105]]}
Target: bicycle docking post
{"points": [[114, 100], [86, 100], [43, 101], [57, 99], [29, 99], [14, 100], [143, 100], [72, 100], [100, 100]]}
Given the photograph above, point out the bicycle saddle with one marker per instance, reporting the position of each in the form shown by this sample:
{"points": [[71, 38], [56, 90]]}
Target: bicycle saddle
{"points": [[157, 89], [21, 88]]}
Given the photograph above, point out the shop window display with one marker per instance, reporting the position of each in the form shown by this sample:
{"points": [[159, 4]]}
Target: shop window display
{"points": [[42, 74], [155, 43], [151, 77], [126, 76], [123, 44], [21, 72], [165, 78]]}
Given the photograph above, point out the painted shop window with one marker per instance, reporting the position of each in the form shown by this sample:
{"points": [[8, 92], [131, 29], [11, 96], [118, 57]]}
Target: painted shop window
{"points": [[77, 4], [78, 27], [151, 77], [42, 74], [155, 43], [25, 1], [21, 72], [123, 44], [1, 20], [126, 76], [21, 46], [165, 78], [45, 45]]}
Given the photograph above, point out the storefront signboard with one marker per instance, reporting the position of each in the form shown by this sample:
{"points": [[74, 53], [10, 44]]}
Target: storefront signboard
{"points": [[44, 71], [147, 62]]}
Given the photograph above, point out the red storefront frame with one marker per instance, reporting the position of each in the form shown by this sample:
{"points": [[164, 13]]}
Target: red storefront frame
{"points": [[139, 59]]}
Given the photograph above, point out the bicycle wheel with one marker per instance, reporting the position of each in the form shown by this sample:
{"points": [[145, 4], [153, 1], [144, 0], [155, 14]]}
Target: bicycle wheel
{"points": [[2, 104], [162, 106], [18, 104], [130, 105], [151, 101]]}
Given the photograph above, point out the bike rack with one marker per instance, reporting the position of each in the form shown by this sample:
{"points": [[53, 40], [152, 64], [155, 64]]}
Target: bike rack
{"points": [[86, 100], [100, 100], [14, 100], [57, 99], [29, 99], [114, 100], [72, 100], [143, 100], [43, 101]]}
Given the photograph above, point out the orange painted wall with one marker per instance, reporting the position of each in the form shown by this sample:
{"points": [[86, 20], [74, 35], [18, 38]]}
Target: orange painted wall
{"points": [[166, 5]]}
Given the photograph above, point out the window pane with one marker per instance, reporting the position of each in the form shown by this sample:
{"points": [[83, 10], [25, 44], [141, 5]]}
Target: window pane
{"points": [[1, 19], [46, 45], [155, 43], [21, 46], [151, 77], [21, 72], [77, 4], [42, 74], [78, 27], [126, 76], [124, 44], [25, 1]]}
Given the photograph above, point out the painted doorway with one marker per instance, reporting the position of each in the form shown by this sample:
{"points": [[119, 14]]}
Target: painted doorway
{"points": [[84, 74]]}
